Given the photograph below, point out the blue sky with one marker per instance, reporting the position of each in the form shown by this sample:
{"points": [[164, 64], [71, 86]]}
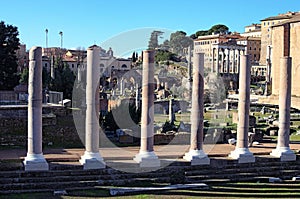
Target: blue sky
{"points": [[88, 22]]}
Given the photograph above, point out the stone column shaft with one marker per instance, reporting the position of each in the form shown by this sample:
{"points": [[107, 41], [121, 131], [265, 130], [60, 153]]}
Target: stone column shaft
{"points": [[189, 64], [171, 111], [196, 154], [213, 60], [91, 158], [147, 102], [241, 151], [146, 156], [223, 60], [283, 150], [197, 104], [233, 62], [217, 69], [228, 60], [238, 61], [35, 159], [52, 69], [137, 97]]}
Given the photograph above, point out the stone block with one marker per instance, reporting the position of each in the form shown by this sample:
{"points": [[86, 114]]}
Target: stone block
{"points": [[273, 180], [296, 178]]}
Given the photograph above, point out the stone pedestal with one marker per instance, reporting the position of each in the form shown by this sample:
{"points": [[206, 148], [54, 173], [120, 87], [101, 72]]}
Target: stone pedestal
{"points": [[35, 161], [147, 159], [283, 150], [196, 154], [146, 156], [197, 157], [241, 152], [243, 155], [91, 158]]}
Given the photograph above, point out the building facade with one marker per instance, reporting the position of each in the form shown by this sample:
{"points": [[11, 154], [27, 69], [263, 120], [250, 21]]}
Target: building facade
{"points": [[253, 30], [266, 32], [286, 42], [221, 52], [253, 47]]}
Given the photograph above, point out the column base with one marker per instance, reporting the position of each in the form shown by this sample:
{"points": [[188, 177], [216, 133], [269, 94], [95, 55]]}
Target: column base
{"points": [[284, 153], [243, 155], [147, 159], [35, 162], [197, 157], [92, 160]]}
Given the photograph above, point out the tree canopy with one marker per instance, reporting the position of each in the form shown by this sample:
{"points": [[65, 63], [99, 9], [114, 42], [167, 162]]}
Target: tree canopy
{"points": [[9, 43], [216, 29], [179, 41], [153, 42]]}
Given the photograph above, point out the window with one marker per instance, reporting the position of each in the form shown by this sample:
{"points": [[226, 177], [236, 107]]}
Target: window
{"points": [[72, 65], [124, 66], [102, 65]]}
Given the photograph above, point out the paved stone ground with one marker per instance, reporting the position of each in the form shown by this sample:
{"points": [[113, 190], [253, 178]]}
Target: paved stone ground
{"points": [[127, 153]]}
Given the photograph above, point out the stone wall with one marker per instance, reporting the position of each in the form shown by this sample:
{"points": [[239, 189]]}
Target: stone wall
{"points": [[278, 52], [16, 116]]}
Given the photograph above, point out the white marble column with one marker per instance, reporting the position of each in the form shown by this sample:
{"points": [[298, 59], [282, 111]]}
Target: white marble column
{"points": [[52, 69], [196, 154], [122, 86], [238, 61], [79, 74], [35, 161], [213, 60], [283, 150], [146, 156], [218, 54], [233, 62], [241, 152], [223, 60], [228, 61], [171, 111], [137, 97], [91, 158]]}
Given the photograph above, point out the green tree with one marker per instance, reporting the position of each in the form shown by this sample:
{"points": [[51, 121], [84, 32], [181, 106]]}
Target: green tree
{"points": [[9, 43], [64, 80], [216, 29], [133, 57], [25, 75], [179, 41], [201, 33], [163, 55], [118, 116], [153, 42], [219, 28]]}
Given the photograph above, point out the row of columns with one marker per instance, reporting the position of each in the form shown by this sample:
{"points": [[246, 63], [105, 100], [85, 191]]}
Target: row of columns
{"points": [[146, 156], [224, 63]]}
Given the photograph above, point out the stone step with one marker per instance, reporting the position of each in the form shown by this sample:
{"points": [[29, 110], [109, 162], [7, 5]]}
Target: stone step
{"points": [[255, 169], [72, 185]]}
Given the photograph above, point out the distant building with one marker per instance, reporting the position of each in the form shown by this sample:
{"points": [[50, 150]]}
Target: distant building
{"points": [[22, 57], [266, 33], [76, 59], [286, 42], [253, 47], [253, 30], [220, 52]]}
